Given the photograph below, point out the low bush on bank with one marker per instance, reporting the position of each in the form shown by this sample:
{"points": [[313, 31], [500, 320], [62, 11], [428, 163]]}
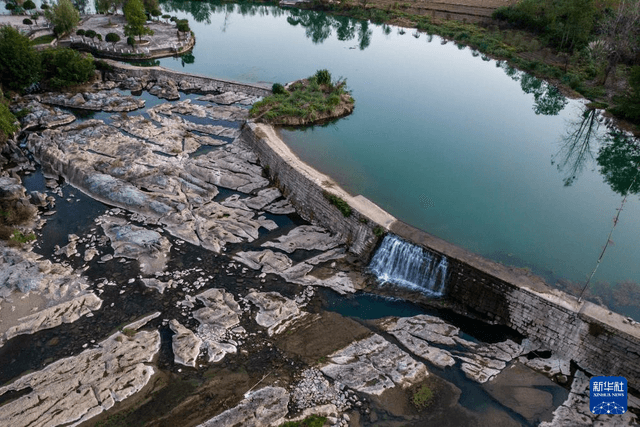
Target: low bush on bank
{"points": [[306, 101]]}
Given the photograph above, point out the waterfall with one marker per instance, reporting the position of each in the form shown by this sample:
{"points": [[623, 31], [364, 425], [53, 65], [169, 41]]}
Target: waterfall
{"points": [[404, 264]]}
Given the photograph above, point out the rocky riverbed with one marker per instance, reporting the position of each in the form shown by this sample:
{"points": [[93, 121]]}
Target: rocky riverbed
{"points": [[192, 294]]}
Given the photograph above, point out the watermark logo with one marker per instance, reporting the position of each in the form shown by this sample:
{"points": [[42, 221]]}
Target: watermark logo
{"points": [[608, 395]]}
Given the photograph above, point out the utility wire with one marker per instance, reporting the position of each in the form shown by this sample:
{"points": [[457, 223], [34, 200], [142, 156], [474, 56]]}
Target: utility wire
{"points": [[615, 222]]}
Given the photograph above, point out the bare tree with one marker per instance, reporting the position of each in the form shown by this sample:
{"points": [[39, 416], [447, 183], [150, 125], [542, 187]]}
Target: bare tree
{"points": [[620, 32]]}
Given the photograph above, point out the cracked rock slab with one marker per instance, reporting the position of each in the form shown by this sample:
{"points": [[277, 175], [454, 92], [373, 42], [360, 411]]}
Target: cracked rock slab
{"points": [[262, 408], [217, 318], [276, 312], [66, 312], [75, 389], [374, 365], [307, 237], [416, 333]]}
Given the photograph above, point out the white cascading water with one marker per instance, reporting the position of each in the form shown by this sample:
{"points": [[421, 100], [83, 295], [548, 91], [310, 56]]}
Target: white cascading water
{"points": [[405, 264]]}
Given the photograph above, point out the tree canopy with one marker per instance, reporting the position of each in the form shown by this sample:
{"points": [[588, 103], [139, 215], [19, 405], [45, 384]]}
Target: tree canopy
{"points": [[63, 16], [136, 18], [20, 65]]}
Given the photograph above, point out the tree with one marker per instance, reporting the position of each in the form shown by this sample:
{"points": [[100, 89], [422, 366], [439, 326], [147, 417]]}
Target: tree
{"points": [[20, 65], [112, 38], [620, 33], [136, 18], [29, 5], [183, 26], [65, 67], [90, 33], [150, 5], [63, 16]]}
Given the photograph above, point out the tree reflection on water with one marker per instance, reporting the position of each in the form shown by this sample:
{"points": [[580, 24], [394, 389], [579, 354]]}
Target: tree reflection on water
{"points": [[577, 147]]}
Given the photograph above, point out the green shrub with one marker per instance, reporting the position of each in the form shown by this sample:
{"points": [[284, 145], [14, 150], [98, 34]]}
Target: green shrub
{"points": [[378, 231], [422, 397], [80, 32], [27, 21], [66, 67], [339, 203], [102, 65], [131, 41], [629, 105], [90, 33], [7, 123], [19, 237], [323, 77], [278, 89]]}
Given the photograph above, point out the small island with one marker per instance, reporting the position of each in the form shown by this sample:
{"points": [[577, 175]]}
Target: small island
{"points": [[310, 101]]}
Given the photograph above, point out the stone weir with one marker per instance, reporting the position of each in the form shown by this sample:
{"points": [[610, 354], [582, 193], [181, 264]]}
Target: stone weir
{"points": [[186, 82], [598, 340]]}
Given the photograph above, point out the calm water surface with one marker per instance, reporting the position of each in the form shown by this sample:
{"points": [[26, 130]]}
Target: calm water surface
{"points": [[442, 138]]}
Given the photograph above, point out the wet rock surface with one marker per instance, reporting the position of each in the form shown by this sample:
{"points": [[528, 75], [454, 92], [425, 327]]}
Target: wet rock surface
{"points": [[96, 101]]}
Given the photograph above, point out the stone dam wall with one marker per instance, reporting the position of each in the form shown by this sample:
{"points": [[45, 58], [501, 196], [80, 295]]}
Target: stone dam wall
{"points": [[598, 340], [308, 189]]}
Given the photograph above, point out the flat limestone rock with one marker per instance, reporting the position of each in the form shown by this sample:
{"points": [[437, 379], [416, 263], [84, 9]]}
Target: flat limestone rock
{"points": [[220, 315], [276, 312], [226, 98], [307, 237], [75, 389], [262, 408], [280, 264], [66, 312], [166, 89], [374, 365], [28, 272], [43, 116], [149, 247], [187, 108], [185, 344], [95, 101], [416, 333]]}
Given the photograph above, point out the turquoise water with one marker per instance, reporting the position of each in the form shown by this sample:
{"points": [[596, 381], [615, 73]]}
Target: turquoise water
{"points": [[442, 138]]}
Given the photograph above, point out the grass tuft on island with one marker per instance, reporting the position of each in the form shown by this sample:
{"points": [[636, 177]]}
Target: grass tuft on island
{"points": [[305, 102]]}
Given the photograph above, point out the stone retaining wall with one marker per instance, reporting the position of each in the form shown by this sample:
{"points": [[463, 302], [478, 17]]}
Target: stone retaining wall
{"points": [[206, 84], [599, 341]]}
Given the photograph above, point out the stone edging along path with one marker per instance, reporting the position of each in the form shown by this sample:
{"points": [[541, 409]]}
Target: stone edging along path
{"points": [[598, 340]]}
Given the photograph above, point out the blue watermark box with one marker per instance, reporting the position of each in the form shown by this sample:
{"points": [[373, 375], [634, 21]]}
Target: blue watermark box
{"points": [[608, 395]]}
